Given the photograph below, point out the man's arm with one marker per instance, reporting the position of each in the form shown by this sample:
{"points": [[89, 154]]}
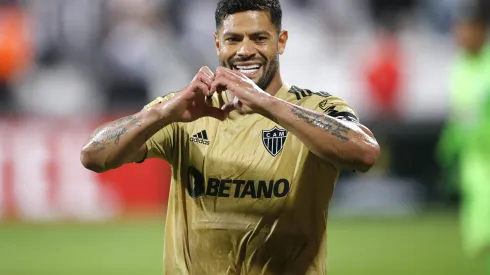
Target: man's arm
{"points": [[121, 141], [346, 144], [124, 140]]}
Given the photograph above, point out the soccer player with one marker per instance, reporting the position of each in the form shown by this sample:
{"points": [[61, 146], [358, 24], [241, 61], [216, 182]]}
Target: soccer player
{"points": [[466, 137], [254, 160]]}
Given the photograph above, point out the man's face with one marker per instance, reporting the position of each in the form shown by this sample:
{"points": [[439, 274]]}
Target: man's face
{"points": [[470, 36], [248, 42]]}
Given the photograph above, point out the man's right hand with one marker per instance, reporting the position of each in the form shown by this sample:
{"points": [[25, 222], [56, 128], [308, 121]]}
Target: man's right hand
{"points": [[193, 101]]}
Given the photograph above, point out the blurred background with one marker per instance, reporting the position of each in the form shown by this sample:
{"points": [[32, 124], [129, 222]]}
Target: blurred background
{"points": [[68, 65]]}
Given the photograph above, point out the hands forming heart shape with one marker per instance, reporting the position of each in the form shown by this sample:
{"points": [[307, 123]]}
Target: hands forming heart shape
{"points": [[193, 101]]}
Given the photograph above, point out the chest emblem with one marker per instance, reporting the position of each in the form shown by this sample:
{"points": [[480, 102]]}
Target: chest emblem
{"points": [[201, 137], [274, 140]]}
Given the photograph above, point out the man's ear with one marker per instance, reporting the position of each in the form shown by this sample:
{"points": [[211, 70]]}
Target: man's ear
{"points": [[282, 41], [216, 42]]}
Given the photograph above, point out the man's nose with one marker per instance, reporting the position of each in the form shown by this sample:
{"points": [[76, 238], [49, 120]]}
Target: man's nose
{"points": [[247, 49]]}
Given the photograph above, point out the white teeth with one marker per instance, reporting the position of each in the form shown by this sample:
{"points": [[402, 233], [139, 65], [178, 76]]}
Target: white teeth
{"points": [[251, 67]]}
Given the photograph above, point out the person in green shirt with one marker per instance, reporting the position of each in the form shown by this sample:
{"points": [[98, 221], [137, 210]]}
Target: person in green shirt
{"points": [[464, 147]]}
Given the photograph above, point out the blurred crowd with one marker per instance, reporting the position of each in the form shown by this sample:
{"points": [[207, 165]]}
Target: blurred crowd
{"points": [[388, 58]]}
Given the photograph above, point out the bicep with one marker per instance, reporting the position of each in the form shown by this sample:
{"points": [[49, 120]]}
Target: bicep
{"points": [[140, 155]]}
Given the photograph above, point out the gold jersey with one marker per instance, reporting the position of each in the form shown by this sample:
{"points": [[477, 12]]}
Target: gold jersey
{"points": [[246, 195]]}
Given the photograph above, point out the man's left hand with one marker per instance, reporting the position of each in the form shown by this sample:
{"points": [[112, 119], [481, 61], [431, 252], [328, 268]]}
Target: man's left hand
{"points": [[248, 97]]}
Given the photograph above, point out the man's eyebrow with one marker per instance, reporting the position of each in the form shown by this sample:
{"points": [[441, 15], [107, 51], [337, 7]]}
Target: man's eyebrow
{"points": [[255, 33], [261, 32], [232, 34]]}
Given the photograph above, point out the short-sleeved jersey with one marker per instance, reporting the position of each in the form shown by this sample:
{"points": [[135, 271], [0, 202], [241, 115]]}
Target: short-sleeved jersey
{"points": [[246, 195]]}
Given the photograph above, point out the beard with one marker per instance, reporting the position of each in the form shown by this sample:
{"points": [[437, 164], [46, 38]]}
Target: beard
{"points": [[269, 69]]}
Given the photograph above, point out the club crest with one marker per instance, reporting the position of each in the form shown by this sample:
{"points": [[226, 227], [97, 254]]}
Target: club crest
{"points": [[274, 140]]}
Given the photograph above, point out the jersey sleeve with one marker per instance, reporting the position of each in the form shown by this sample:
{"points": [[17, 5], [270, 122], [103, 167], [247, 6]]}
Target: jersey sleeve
{"points": [[162, 144], [337, 108]]}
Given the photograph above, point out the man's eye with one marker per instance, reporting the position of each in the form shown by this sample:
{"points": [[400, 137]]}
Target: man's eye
{"points": [[261, 39], [232, 39]]}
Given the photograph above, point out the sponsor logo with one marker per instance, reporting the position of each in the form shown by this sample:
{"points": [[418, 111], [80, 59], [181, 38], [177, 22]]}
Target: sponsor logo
{"points": [[201, 137], [235, 188], [324, 105]]}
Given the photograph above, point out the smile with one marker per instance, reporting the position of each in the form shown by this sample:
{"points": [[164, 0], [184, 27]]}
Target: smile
{"points": [[248, 70]]}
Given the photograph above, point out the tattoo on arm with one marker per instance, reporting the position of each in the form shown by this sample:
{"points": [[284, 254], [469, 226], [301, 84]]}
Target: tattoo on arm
{"points": [[328, 124], [112, 133]]}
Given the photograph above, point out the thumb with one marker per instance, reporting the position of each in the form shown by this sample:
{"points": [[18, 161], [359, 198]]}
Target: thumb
{"points": [[228, 107]]}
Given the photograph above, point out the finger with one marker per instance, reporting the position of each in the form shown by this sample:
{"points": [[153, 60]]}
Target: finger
{"points": [[209, 100], [230, 74], [235, 75], [223, 70], [228, 107], [220, 84], [204, 75], [207, 71], [238, 106], [201, 88], [215, 112], [206, 80], [235, 104], [225, 83], [247, 110]]}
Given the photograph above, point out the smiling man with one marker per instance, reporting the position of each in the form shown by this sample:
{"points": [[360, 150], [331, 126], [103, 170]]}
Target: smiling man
{"points": [[254, 159]]}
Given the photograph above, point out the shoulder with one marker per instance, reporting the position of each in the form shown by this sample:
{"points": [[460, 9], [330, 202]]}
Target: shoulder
{"points": [[337, 107], [327, 103], [302, 95]]}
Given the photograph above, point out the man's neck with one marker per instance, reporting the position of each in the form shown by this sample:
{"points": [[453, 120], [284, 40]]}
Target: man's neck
{"points": [[475, 53], [275, 85]]}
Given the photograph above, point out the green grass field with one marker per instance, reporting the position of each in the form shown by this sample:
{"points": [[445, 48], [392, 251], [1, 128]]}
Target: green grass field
{"points": [[425, 245]]}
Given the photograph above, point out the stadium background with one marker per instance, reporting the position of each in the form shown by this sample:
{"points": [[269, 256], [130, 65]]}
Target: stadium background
{"points": [[68, 65]]}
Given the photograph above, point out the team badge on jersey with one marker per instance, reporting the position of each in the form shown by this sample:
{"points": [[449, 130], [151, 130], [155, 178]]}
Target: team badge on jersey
{"points": [[274, 140]]}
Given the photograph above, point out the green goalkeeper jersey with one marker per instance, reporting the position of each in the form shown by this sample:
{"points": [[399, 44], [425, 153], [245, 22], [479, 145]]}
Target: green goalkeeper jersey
{"points": [[468, 131], [466, 139]]}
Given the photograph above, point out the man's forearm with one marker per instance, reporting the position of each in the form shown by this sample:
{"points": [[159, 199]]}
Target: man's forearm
{"points": [[118, 142], [345, 144]]}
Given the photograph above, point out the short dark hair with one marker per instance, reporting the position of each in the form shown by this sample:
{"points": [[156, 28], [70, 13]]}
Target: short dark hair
{"points": [[229, 7], [476, 12]]}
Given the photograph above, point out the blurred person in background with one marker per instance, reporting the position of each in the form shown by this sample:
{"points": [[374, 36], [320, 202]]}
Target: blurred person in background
{"points": [[440, 13], [254, 159], [138, 55], [62, 80], [464, 148], [383, 69], [383, 76], [15, 49]]}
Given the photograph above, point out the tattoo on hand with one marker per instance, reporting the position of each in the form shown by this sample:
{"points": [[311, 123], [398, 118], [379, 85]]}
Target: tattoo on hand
{"points": [[328, 124], [112, 133]]}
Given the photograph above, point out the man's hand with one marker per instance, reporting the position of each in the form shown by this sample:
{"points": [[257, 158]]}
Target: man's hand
{"points": [[193, 101], [248, 97]]}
